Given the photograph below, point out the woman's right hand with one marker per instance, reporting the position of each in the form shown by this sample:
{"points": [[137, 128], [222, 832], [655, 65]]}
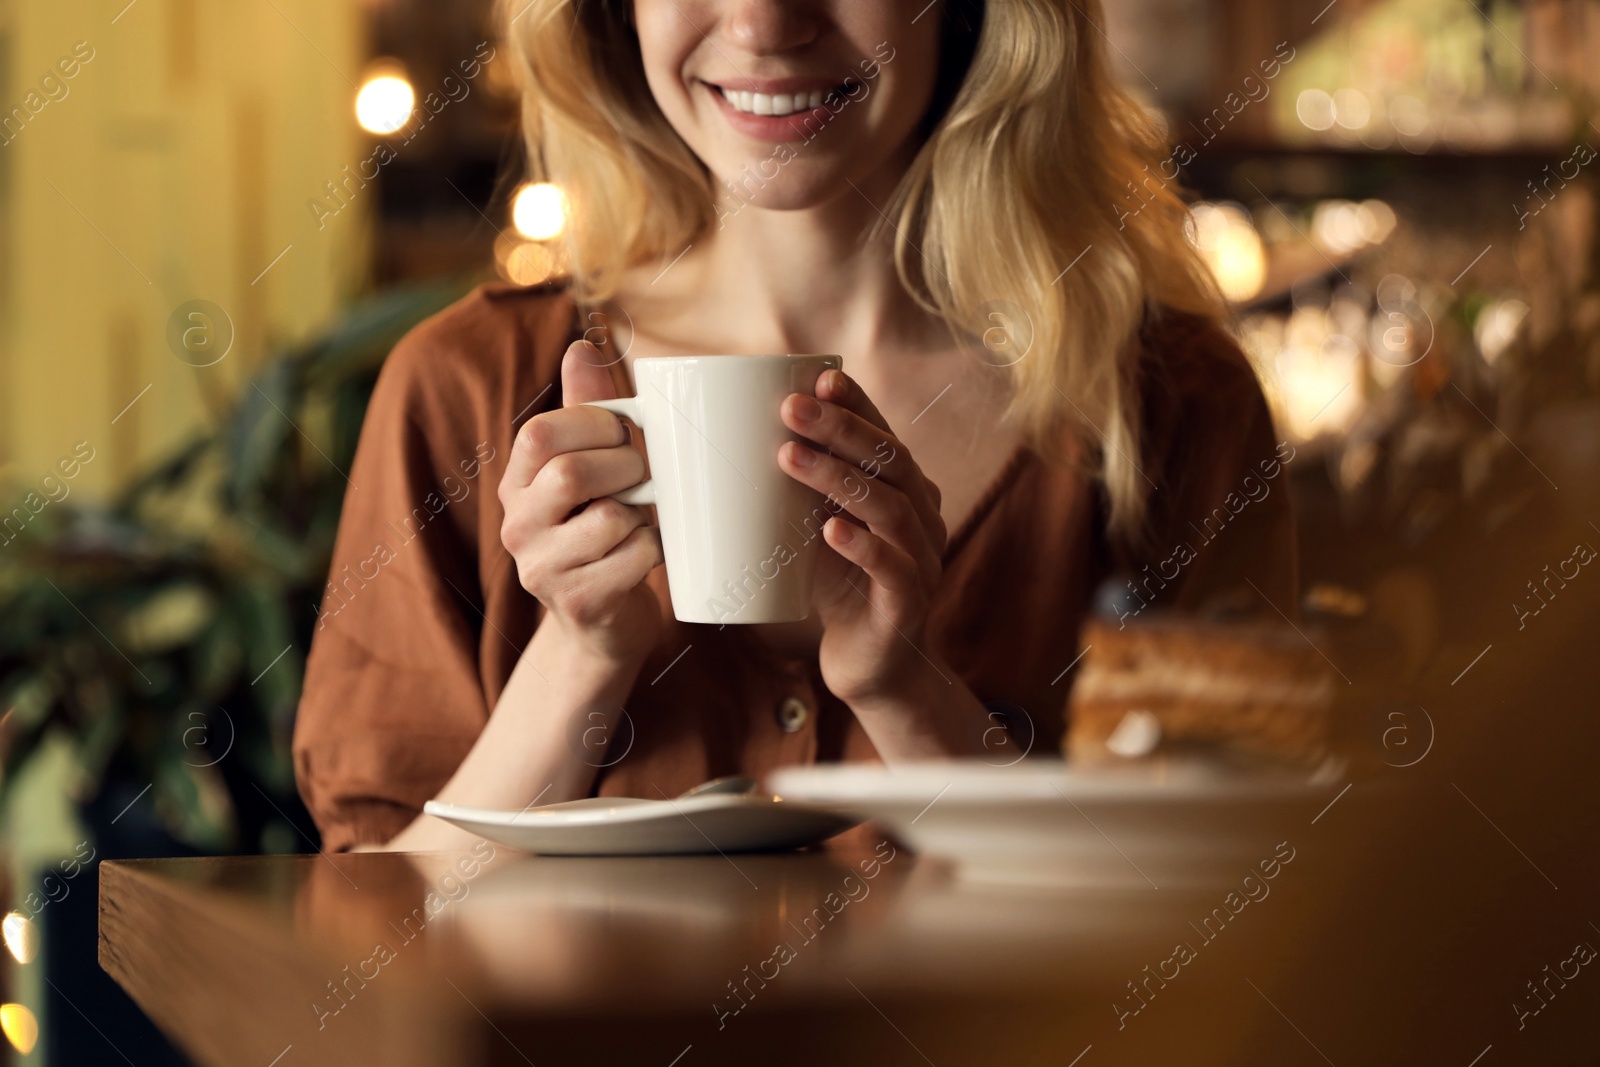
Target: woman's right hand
{"points": [[583, 555]]}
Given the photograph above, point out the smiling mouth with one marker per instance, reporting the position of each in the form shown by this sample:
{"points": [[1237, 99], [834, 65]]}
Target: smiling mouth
{"points": [[778, 105]]}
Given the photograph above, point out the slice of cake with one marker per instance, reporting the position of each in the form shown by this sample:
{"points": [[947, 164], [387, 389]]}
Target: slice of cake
{"points": [[1172, 685]]}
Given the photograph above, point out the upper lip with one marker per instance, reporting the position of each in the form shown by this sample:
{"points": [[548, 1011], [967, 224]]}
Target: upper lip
{"points": [[775, 86]]}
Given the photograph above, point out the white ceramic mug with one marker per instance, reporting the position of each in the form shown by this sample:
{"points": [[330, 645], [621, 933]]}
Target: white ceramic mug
{"points": [[740, 536]]}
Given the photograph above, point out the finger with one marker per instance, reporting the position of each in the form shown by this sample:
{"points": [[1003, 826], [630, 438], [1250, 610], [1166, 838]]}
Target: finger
{"points": [[886, 510], [626, 565], [862, 442], [585, 375], [840, 430], [575, 478], [839, 388], [553, 433], [593, 593], [552, 554], [842, 408], [845, 421], [593, 532], [895, 580]]}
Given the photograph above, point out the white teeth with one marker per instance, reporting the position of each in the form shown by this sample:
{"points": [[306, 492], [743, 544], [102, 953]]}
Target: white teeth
{"points": [[773, 104]]}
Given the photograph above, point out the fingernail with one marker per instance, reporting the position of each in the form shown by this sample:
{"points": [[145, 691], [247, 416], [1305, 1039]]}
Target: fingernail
{"points": [[801, 456], [806, 409], [838, 384], [842, 532]]}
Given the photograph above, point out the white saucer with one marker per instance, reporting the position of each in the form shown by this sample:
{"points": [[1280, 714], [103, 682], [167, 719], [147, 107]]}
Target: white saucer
{"points": [[1044, 822], [634, 826]]}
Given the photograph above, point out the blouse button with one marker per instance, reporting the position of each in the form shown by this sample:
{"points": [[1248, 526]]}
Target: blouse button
{"points": [[792, 715]]}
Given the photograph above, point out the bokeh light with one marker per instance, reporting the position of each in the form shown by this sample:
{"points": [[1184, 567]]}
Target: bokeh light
{"points": [[1336, 227], [1232, 248], [526, 262], [1316, 109], [1497, 326], [385, 99], [1312, 369], [1376, 219], [20, 1027], [1409, 116], [539, 211], [21, 936], [1351, 109]]}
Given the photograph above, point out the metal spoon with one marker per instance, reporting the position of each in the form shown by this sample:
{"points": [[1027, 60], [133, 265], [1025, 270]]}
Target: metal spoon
{"points": [[732, 783]]}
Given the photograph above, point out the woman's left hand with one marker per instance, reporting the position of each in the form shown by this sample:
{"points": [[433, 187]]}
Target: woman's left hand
{"points": [[873, 590]]}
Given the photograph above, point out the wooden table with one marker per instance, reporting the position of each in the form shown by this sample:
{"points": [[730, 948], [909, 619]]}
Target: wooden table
{"points": [[834, 956], [1362, 953], [438, 959]]}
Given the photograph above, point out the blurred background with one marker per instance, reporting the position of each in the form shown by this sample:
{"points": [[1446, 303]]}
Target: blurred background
{"points": [[216, 217]]}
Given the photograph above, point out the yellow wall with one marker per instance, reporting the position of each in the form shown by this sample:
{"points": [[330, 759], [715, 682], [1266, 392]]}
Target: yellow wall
{"points": [[175, 168]]}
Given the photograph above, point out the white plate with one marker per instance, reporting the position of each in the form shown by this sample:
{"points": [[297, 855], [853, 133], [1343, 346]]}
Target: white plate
{"points": [[1043, 822], [633, 826]]}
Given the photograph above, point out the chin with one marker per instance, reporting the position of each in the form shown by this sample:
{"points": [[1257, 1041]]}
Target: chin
{"points": [[796, 199], [765, 182]]}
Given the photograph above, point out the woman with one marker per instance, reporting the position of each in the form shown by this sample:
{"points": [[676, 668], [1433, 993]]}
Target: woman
{"points": [[937, 191]]}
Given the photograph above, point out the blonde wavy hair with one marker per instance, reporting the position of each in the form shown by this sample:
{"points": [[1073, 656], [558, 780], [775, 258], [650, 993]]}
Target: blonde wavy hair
{"points": [[1031, 157]]}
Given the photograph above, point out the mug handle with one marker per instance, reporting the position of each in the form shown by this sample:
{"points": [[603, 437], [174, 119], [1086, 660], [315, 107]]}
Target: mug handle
{"points": [[628, 408]]}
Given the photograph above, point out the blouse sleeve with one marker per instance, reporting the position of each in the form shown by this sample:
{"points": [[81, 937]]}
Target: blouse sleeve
{"points": [[398, 684]]}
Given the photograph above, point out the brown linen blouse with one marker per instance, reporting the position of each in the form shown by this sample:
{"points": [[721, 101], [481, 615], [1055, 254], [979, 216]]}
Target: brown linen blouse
{"points": [[424, 617]]}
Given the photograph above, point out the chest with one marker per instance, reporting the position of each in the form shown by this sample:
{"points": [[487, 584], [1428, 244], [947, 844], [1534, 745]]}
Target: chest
{"points": [[950, 420]]}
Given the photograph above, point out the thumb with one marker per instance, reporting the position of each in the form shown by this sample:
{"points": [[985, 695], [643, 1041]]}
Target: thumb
{"points": [[585, 375]]}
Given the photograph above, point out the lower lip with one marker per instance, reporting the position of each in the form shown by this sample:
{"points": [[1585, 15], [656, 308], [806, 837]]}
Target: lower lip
{"points": [[795, 126]]}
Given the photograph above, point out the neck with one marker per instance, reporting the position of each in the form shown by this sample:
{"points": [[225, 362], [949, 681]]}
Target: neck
{"points": [[805, 280]]}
